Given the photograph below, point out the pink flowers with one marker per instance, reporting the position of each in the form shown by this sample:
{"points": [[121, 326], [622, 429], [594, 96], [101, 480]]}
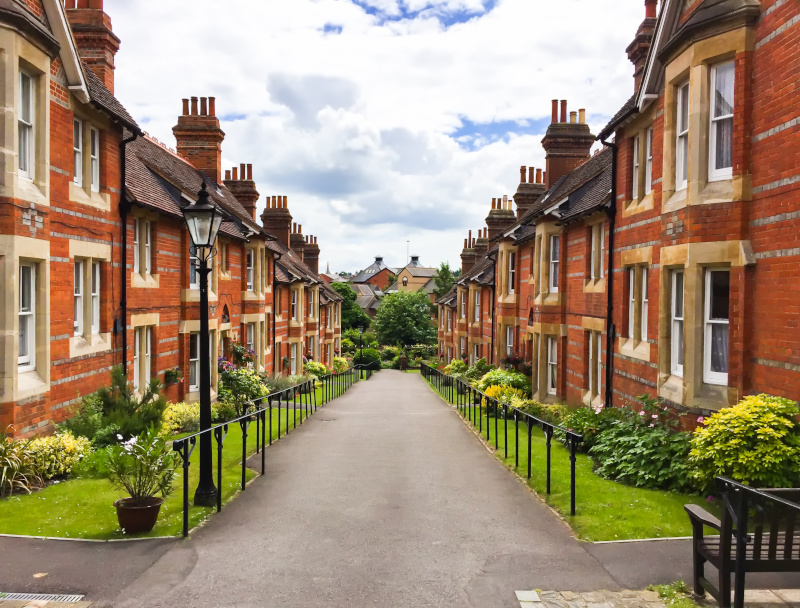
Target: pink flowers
{"points": [[655, 416], [641, 413], [701, 420]]}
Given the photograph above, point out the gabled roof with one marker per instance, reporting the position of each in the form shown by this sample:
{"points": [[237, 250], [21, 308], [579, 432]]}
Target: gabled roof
{"points": [[105, 100], [376, 267], [625, 112], [419, 271], [448, 299], [481, 273]]}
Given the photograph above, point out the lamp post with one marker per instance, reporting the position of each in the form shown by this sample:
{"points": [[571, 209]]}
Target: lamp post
{"points": [[203, 220]]}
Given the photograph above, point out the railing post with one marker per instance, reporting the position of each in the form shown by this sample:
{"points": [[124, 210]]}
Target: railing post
{"points": [[185, 457], [516, 439], [269, 401], [496, 416], [572, 457], [244, 424], [505, 427], [530, 431], [548, 436]]}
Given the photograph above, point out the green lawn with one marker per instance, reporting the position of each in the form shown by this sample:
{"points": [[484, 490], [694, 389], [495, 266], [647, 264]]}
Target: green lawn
{"points": [[84, 508], [605, 510]]}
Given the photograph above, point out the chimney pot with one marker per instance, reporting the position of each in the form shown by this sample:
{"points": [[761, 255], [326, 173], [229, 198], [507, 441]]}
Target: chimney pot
{"points": [[294, 227], [494, 203], [300, 228], [582, 116], [227, 176], [250, 172], [203, 106], [563, 110], [185, 107], [212, 106], [573, 117], [650, 8], [522, 175], [242, 171], [194, 106], [530, 175], [555, 111], [538, 176], [465, 244], [235, 174], [470, 236]]}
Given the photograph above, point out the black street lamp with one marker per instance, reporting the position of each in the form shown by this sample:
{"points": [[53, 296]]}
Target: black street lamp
{"points": [[203, 220]]}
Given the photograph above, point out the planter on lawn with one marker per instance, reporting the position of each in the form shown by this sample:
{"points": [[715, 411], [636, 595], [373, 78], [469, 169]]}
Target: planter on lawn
{"points": [[137, 516]]}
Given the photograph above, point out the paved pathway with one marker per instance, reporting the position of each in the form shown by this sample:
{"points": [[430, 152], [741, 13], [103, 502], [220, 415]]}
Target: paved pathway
{"points": [[384, 498]]}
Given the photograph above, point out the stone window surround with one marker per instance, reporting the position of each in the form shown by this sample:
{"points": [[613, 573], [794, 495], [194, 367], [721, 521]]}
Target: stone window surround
{"points": [[141, 279], [544, 297], [145, 320], [694, 64], [193, 327], [595, 326], [634, 346], [297, 291], [88, 343], [261, 346], [192, 294], [313, 293], [638, 202], [506, 293], [261, 278], [596, 224], [16, 385], [83, 194], [21, 54], [538, 333], [694, 259]]}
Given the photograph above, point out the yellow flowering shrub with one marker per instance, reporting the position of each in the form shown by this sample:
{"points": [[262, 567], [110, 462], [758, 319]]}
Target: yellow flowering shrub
{"points": [[56, 455], [503, 393]]}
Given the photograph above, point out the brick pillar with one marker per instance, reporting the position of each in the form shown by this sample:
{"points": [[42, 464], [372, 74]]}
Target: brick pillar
{"points": [[311, 254], [94, 37], [200, 138], [243, 187], [277, 220], [566, 145]]}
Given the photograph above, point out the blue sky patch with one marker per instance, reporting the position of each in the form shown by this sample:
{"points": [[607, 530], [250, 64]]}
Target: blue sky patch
{"points": [[330, 28], [447, 18], [474, 135], [232, 117]]}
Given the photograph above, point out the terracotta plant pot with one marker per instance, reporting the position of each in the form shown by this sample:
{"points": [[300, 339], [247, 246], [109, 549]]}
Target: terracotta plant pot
{"points": [[137, 516]]}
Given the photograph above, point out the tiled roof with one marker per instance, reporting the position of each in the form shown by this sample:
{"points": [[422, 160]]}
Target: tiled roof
{"points": [[370, 271], [104, 98], [419, 271], [624, 112], [13, 13], [592, 197], [579, 177], [289, 268], [448, 298]]}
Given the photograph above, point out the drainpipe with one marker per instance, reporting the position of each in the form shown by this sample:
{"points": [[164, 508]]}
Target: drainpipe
{"points": [[124, 207], [494, 304], [611, 329]]}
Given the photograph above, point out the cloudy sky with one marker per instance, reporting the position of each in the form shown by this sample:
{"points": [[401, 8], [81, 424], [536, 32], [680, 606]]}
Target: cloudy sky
{"points": [[383, 121]]}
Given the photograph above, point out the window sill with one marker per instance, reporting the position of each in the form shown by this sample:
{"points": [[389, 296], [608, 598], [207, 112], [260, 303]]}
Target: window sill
{"points": [[638, 206], [252, 296], [193, 295], [672, 390], [30, 384], [595, 286], [80, 346], [592, 402], [193, 396], [510, 298], [676, 202], [640, 350], [27, 190], [79, 194], [150, 281]]}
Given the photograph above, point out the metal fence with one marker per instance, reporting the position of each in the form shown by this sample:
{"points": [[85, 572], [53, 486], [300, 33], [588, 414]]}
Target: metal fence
{"points": [[473, 404], [300, 398]]}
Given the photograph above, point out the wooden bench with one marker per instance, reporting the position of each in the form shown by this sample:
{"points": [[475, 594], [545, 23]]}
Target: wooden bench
{"points": [[756, 534]]}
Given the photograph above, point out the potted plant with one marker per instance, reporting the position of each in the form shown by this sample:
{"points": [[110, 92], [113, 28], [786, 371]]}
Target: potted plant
{"points": [[144, 467], [172, 376]]}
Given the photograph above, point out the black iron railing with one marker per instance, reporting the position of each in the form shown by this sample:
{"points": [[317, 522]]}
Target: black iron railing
{"points": [[473, 404], [300, 398]]}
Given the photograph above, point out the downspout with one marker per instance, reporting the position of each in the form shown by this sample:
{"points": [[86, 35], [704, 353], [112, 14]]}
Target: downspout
{"points": [[494, 304], [124, 207], [611, 330]]}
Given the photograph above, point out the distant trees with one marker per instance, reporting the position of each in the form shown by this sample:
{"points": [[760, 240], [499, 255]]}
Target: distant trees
{"points": [[352, 315], [445, 280], [404, 318]]}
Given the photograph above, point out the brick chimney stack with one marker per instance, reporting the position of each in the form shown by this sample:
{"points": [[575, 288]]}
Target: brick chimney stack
{"points": [[200, 138], [481, 245], [297, 241], [277, 220], [531, 189], [311, 253], [468, 257], [566, 144], [638, 49], [501, 217], [240, 183], [94, 37]]}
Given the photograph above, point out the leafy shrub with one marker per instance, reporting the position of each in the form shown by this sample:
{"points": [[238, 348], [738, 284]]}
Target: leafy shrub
{"points": [[368, 357], [499, 376], [457, 366], [116, 410], [348, 346], [143, 466], [276, 383], [478, 370], [424, 351], [643, 455], [554, 413], [755, 442], [17, 471], [389, 353], [503, 393], [57, 455], [93, 465], [181, 418], [239, 387], [340, 364], [317, 369], [590, 422]]}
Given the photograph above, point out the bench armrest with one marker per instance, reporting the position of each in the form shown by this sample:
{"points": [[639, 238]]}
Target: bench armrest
{"points": [[698, 515]]}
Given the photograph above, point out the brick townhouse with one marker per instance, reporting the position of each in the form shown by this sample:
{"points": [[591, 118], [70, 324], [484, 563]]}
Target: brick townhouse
{"points": [[688, 218], [98, 275]]}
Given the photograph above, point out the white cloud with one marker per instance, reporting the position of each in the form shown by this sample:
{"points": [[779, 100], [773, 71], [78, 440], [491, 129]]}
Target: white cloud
{"points": [[357, 127]]}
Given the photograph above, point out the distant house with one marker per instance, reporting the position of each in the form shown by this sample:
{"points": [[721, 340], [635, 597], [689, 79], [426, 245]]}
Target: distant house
{"points": [[377, 274], [416, 277], [368, 297]]}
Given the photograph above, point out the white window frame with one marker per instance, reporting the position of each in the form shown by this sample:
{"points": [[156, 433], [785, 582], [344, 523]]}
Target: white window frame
{"points": [[77, 151], [512, 271], [293, 358], [648, 162], [441, 317], [598, 250], [595, 364], [310, 304], [250, 260], [194, 361], [463, 305], [148, 253], [449, 321], [477, 305], [677, 323], [635, 169], [78, 275], [709, 376], [682, 139], [95, 295], [137, 252], [476, 352], [631, 301], [94, 156], [194, 273], [644, 306], [148, 354], [509, 340], [137, 336], [26, 141], [555, 242], [552, 365], [463, 346], [715, 174], [27, 318], [294, 305]]}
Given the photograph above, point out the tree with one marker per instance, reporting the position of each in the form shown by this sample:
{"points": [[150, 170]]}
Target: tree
{"points": [[445, 280], [404, 318], [352, 315]]}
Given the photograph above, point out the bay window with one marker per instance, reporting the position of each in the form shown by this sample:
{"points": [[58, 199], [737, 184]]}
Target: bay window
{"points": [[142, 246], [142, 357], [595, 340], [720, 152], [310, 304], [631, 301], [509, 341], [77, 298], [77, 152], [194, 362], [25, 124], [648, 162], [682, 147], [477, 306], [635, 170], [716, 326], [294, 305], [552, 365], [250, 258], [643, 336], [294, 358], [598, 252], [676, 324], [512, 271], [476, 352], [555, 242], [250, 341], [194, 274], [95, 312], [26, 314], [94, 154], [463, 304]]}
